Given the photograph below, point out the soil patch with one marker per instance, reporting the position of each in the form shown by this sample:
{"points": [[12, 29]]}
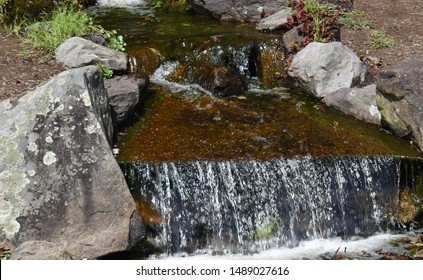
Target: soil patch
{"points": [[19, 73], [399, 19]]}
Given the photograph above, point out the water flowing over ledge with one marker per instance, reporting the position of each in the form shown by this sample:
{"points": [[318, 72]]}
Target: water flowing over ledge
{"points": [[120, 3], [250, 206]]}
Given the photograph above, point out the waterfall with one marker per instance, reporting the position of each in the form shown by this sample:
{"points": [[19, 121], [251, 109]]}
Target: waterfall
{"points": [[120, 3], [249, 206]]}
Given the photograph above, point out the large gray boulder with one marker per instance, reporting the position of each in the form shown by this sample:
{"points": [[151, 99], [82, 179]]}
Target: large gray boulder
{"points": [[400, 98], [78, 52], [62, 192], [244, 10], [357, 102], [322, 68]]}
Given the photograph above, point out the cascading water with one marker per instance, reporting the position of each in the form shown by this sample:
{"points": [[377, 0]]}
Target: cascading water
{"points": [[239, 198], [120, 3], [249, 206]]}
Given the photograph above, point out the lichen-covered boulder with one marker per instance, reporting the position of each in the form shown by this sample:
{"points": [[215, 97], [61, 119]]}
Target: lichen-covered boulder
{"points": [[321, 68], [60, 184], [78, 52]]}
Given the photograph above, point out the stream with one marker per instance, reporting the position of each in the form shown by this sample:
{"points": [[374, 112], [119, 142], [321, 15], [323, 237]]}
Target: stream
{"points": [[267, 174]]}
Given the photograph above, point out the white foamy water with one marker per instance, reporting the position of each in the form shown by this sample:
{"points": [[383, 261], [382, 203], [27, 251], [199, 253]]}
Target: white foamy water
{"points": [[367, 248], [120, 3], [160, 77]]}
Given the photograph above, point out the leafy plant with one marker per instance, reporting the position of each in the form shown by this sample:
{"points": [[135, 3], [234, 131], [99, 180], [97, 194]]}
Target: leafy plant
{"points": [[5, 251], [379, 40], [114, 40], [107, 72], [158, 3], [354, 20], [316, 22]]}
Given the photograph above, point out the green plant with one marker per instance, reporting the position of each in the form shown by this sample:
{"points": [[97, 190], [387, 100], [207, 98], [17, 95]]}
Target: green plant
{"points": [[15, 27], [379, 40], [8, 22], [5, 251], [114, 40], [107, 72], [173, 5], [158, 3], [354, 20], [316, 22], [268, 229], [45, 36], [1, 11]]}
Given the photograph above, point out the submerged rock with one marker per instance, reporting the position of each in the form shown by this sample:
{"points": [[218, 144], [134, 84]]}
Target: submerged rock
{"points": [[145, 60], [63, 194], [220, 80], [321, 68], [400, 98]]}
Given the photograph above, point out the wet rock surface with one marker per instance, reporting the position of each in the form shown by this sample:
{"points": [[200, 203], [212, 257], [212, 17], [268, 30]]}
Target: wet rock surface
{"points": [[220, 80]]}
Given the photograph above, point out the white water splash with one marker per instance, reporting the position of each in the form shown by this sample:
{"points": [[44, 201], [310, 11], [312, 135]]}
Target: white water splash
{"points": [[160, 77], [255, 86], [367, 248], [120, 3]]}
